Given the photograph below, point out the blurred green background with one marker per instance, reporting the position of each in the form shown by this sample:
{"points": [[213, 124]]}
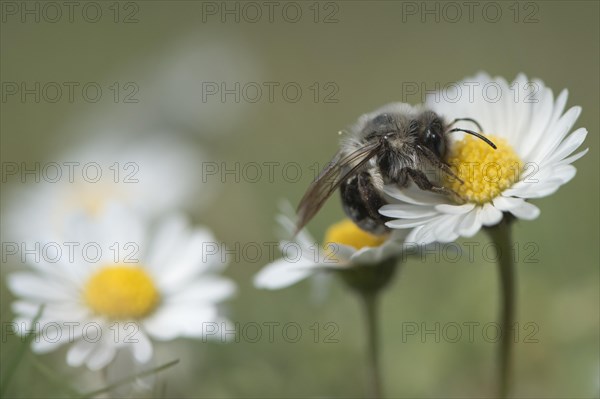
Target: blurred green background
{"points": [[368, 53]]}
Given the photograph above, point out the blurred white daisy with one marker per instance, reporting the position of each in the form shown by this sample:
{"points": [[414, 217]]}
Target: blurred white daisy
{"points": [[533, 160], [345, 246], [167, 289], [108, 170]]}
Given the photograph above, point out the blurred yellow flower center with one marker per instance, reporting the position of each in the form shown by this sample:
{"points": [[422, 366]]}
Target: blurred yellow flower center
{"points": [[121, 292], [92, 198], [486, 172], [348, 233]]}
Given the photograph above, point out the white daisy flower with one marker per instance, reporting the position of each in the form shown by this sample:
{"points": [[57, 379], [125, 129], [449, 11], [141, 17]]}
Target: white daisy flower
{"points": [[345, 246], [533, 159], [114, 304], [110, 170]]}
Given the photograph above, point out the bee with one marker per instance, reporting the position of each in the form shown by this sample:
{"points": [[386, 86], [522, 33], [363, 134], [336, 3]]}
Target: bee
{"points": [[396, 144]]}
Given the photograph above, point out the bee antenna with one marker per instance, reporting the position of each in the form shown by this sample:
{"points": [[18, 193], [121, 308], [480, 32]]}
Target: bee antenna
{"points": [[468, 120], [479, 136]]}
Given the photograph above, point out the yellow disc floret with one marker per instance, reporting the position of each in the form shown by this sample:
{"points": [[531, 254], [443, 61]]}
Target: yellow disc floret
{"points": [[121, 292], [485, 171], [348, 233]]}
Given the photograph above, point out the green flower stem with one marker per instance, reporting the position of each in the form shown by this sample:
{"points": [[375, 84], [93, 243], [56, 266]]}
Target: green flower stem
{"points": [[367, 281], [370, 304], [501, 236]]}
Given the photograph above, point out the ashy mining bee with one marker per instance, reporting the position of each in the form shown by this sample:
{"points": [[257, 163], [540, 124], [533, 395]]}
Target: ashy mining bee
{"points": [[396, 144]]}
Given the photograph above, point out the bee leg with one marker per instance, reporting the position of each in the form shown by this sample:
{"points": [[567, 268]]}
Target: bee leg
{"points": [[448, 170], [451, 173], [422, 181], [438, 163], [361, 201]]}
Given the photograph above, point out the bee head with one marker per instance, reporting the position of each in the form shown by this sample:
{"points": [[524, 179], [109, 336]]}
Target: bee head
{"points": [[432, 134], [381, 125]]}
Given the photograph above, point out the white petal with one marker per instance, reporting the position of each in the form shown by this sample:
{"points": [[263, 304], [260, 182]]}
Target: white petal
{"points": [[411, 238], [302, 238], [414, 195], [367, 255], [518, 190], [570, 144], [30, 285], [190, 260], [564, 173], [210, 289], [423, 234], [53, 335], [454, 209], [305, 240], [490, 216], [546, 182], [79, 352], [287, 221], [406, 211], [335, 255], [168, 235], [142, 350], [533, 139], [555, 136], [574, 157], [541, 114], [283, 273], [526, 211], [443, 229], [27, 308], [172, 321], [407, 223], [118, 223], [41, 345], [56, 311], [471, 223], [221, 330], [502, 114], [507, 203], [559, 106], [102, 355], [538, 190]]}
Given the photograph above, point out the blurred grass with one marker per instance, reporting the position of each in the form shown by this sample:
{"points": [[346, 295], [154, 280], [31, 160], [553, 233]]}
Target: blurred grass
{"points": [[368, 54], [13, 365]]}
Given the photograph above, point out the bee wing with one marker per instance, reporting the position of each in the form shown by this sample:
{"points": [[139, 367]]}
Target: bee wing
{"points": [[339, 169]]}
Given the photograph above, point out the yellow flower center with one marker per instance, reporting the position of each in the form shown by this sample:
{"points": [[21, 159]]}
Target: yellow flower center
{"points": [[485, 172], [121, 292], [348, 233]]}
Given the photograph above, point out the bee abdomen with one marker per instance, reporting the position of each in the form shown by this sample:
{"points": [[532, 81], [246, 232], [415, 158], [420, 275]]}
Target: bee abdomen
{"points": [[361, 200]]}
